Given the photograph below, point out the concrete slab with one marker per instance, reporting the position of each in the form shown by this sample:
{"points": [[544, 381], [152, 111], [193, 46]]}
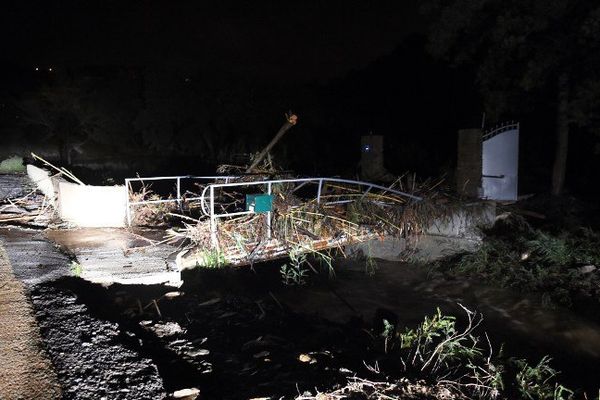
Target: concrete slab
{"points": [[457, 233], [110, 255]]}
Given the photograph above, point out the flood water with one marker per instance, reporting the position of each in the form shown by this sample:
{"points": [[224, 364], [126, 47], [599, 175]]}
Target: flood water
{"points": [[512, 319]]}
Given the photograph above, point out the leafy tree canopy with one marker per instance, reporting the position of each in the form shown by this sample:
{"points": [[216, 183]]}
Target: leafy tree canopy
{"points": [[521, 47]]}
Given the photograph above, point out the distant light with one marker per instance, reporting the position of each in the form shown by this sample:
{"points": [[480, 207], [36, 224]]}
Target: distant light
{"points": [[50, 69], [367, 148], [37, 68]]}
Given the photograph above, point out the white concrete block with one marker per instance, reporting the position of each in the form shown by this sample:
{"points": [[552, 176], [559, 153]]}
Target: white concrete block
{"points": [[92, 206]]}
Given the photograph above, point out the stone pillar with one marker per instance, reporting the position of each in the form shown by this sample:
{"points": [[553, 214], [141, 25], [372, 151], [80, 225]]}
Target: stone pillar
{"points": [[469, 162], [371, 159]]}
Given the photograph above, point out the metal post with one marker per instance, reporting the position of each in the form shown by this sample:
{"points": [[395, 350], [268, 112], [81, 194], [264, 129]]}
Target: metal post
{"points": [[213, 220], [319, 192], [179, 192], [127, 211], [268, 216]]}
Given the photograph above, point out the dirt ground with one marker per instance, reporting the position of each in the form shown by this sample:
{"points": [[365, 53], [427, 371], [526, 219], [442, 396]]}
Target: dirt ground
{"points": [[25, 370]]}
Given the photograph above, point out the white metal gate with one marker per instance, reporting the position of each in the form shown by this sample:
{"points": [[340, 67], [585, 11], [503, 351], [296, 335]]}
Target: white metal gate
{"points": [[500, 156]]}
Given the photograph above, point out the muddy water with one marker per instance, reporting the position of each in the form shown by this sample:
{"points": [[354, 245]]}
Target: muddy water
{"points": [[517, 320]]}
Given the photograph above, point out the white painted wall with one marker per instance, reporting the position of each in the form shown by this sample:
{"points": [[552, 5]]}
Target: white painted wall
{"points": [[41, 178], [92, 206]]}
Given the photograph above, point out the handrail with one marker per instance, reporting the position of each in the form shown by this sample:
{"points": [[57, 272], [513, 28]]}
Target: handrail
{"points": [[209, 209], [177, 178], [302, 181]]}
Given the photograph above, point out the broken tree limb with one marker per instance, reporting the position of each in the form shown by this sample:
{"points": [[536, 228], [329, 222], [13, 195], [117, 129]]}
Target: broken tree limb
{"points": [[291, 120], [61, 170]]}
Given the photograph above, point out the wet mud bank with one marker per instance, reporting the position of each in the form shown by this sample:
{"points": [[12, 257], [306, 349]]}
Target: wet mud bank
{"points": [[148, 342], [93, 357]]}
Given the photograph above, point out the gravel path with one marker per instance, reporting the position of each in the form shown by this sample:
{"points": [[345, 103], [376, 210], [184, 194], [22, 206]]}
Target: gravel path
{"points": [[25, 370]]}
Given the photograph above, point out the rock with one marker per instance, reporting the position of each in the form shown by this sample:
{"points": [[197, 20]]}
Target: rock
{"points": [[167, 329], [305, 358], [186, 394], [587, 269], [172, 295], [198, 352]]}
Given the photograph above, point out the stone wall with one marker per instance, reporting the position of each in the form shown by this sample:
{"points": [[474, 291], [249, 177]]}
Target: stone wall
{"points": [[469, 162]]}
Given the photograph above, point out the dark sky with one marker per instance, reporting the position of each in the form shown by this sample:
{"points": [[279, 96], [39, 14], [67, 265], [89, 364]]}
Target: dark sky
{"points": [[298, 40]]}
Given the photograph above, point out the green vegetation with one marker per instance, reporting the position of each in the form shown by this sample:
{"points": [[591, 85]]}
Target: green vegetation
{"points": [[295, 272], [534, 382], [559, 266], [438, 351], [76, 268], [211, 259], [12, 165]]}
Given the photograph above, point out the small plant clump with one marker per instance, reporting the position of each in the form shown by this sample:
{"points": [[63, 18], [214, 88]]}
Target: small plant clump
{"points": [[12, 165], [438, 359], [534, 382], [211, 259], [295, 272], [76, 268]]}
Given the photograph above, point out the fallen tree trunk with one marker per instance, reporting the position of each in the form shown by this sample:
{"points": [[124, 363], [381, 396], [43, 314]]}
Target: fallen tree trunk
{"points": [[291, 120]]}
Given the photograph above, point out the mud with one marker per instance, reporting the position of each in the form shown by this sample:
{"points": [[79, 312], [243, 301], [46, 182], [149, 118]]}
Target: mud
{"points": [[93, 357]]}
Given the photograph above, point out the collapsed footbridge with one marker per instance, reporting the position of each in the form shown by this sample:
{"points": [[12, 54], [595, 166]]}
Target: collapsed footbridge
{"points": [[240, 220]]}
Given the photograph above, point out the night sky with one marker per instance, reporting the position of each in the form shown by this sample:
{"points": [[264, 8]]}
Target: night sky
{"points": [[171, 74], [269, 40]]}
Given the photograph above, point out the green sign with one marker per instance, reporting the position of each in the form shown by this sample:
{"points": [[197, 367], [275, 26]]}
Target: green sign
{"points": [[259, 203]]}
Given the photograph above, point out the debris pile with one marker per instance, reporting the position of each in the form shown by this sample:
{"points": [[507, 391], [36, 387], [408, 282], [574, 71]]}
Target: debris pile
{"points": [[23, 204], [304, 220], [298, 219]]}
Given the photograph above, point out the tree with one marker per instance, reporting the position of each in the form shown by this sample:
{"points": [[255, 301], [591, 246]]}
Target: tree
{"points": [[60, 114], [523, 48]]}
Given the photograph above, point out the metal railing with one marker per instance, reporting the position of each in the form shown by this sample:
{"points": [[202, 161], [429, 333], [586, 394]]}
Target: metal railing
{"points": [[209, 209], [178, 199], [207, 197]]}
